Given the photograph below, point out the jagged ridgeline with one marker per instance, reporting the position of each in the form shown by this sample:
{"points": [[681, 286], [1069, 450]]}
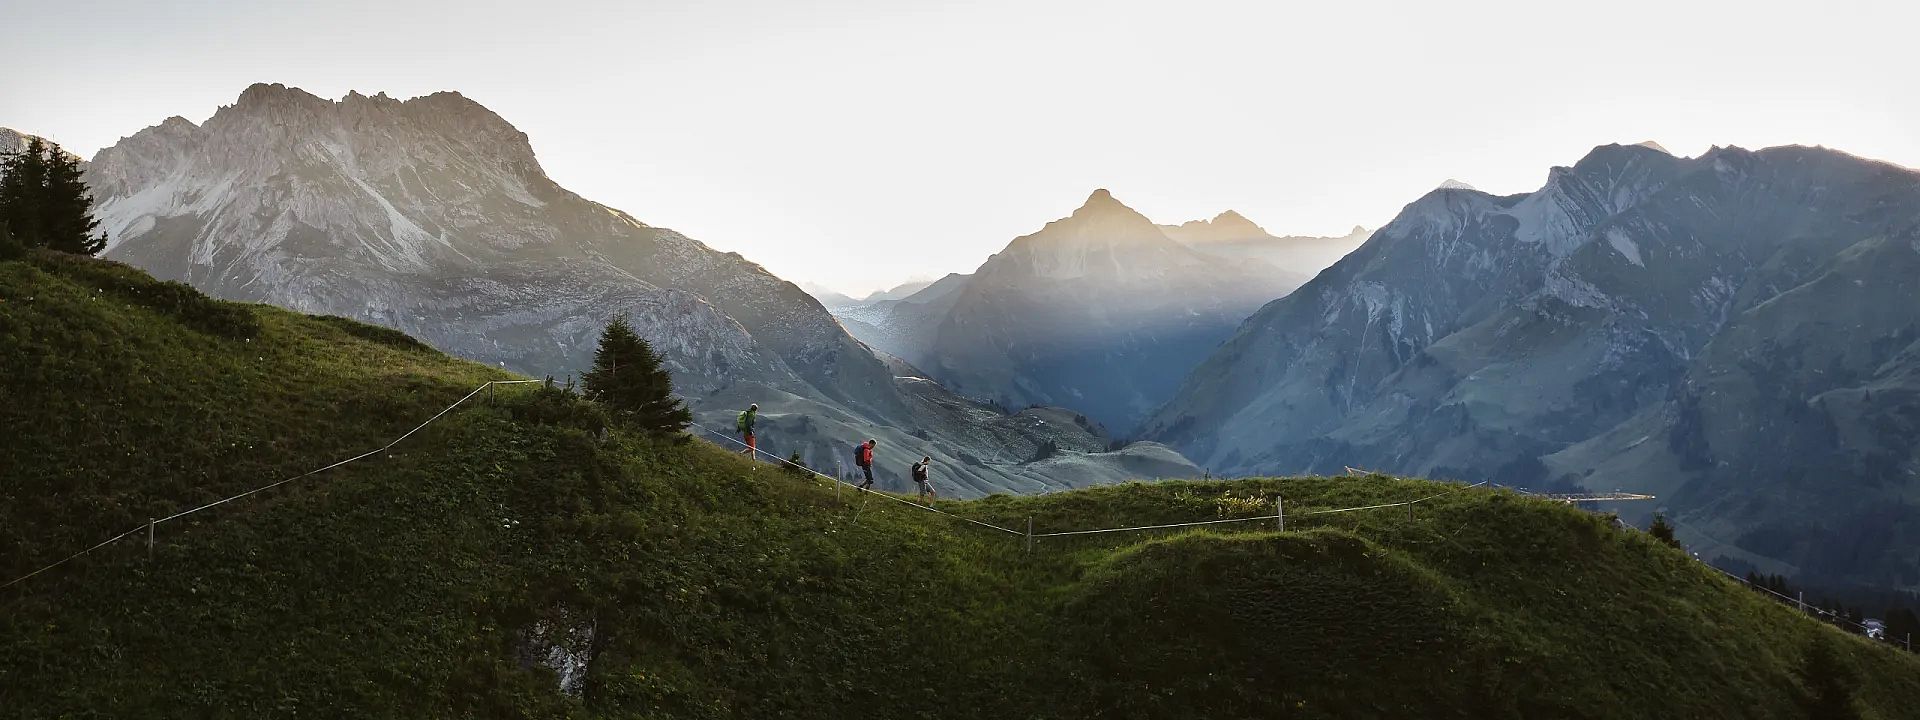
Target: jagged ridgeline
{"points": [[1736, 333], [450, 575], [434, 217]]}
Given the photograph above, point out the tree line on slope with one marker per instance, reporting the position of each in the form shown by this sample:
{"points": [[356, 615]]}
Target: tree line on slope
{"points": [[45, 204]]}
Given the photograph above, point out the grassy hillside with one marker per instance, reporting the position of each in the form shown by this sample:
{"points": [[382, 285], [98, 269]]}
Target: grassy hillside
{"points": [[417, 583]]}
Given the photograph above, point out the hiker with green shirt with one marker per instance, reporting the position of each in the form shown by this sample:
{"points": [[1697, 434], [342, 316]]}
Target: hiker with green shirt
{"points": [[920, 476], [744, 424]]}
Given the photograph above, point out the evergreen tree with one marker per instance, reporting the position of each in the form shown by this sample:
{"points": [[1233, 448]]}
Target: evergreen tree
{"points": [[68, 206], [23, 176], [796, 465], [1662, 531], [628, 379], [45, 202]]}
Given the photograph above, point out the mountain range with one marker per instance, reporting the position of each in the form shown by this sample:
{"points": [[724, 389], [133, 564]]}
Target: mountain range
{"points": [[1232, 235], [834, 300], [517, 557], [1101, 311], [433, 216], [1735, 332]]}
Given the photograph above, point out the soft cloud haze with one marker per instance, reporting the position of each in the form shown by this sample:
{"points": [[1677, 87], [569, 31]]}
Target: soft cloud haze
{"points": [[913, 139]]}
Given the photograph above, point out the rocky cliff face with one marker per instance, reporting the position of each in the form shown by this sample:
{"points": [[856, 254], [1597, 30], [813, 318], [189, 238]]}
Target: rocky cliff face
{"points": [[1099, 311], [1705, 328], [432, 216], [12, 141]]}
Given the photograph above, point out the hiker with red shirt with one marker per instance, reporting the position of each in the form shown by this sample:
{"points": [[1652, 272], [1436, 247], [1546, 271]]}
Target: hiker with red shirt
{"points": [[863, 457]]}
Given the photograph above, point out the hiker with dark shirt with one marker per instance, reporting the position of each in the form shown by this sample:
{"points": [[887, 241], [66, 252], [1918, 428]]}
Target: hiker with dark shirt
{"points": [[920, 477], [745, 424], [863, 457]]}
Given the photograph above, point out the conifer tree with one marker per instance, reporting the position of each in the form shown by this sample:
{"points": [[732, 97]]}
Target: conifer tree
{"points": [[45, 202], [1662, 531], [68, 207], [796, 465], [23, 176], [627, 377]]}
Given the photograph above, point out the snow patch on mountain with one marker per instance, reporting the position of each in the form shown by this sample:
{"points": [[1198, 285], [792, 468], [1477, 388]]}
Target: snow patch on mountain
{"points": [[1623, 244]]}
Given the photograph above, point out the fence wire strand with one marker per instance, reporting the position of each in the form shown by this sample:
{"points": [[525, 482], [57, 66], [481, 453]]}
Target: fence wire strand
{"points": [[270, 486], [837, 481], [824, 476]]}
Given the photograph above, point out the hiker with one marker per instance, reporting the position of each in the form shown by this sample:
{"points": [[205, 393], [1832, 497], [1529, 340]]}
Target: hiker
{"points": [[744, 424], [863, 458], [920, 476]]}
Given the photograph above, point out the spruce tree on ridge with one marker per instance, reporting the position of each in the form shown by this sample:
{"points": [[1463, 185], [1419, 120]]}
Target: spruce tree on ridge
{"points": [[628, 378]]}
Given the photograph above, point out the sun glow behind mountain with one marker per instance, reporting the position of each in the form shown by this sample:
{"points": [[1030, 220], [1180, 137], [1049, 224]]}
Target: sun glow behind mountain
{"points": [[859, 144]]}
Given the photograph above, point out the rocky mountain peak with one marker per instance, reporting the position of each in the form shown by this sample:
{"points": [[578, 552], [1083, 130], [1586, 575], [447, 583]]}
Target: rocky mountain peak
{"points": [[1232, 222], [1452, 184], [446, 119], [1229, 226], [271, 98], [1101, 202], [1614, 156], [1099, 224]]}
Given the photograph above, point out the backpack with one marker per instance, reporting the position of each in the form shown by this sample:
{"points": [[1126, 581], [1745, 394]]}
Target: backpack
{"points": [[919, 472], [860, 457], [741, 423]]}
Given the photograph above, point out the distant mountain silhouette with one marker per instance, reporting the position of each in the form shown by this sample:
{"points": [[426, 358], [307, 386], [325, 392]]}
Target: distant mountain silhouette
{"points": [[1100, 311]]}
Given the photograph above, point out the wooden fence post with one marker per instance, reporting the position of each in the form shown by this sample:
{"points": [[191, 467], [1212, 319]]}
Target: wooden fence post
{"points": [[1279, 513], [150, 538], [1029, 534]]}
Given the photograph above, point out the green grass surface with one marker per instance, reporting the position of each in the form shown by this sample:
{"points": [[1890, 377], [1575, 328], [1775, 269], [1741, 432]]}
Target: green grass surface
{"points": [[400, 586]]}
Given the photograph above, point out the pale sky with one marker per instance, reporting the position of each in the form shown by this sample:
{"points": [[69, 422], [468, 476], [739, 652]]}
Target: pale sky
{"points": [[857, 144]]}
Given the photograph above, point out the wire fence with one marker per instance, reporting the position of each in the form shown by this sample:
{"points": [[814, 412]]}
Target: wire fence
{"points": [[1812, 610], [152, 524], [840, 482], [1278, 518]]}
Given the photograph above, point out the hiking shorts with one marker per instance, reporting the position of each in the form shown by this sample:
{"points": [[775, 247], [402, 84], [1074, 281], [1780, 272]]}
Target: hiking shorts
{"points": [[750, 443]]}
